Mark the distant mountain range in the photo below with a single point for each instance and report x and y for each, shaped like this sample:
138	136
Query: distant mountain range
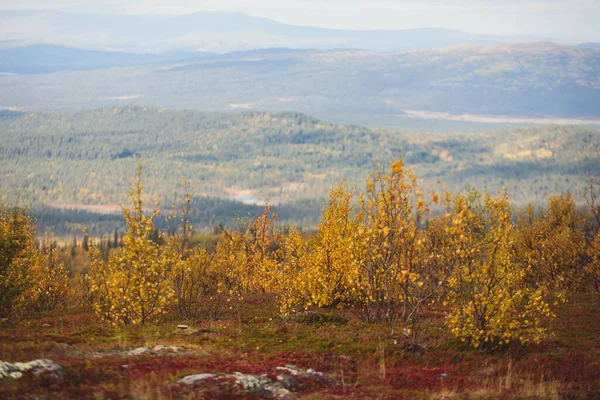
212	32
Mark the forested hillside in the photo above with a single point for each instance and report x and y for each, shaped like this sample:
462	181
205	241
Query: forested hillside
76	160
542	80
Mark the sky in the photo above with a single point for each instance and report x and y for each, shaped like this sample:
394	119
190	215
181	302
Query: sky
559	19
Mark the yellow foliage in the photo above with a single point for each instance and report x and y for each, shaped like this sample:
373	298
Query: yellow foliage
49	281
592	266
320	273
135	284
390	248
294	291
206	286
375	261
17	255
489	301
592	269
261	246
549	245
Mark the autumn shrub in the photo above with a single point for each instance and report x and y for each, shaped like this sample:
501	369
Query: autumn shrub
263	241
489	300
193	275
135	284
550	244
48	281
592	254
293	290
394	274
17	254
243	261
211	281
204	291
373	257
592	268
321	273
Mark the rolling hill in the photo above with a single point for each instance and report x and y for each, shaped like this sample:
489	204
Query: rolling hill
77	160
528	80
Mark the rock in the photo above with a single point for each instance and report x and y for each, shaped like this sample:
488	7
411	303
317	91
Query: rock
256	385
35	367
159	348
250	382
187	331
291	369
139	351
5	369
196	378
260	385
288	382
295	371
288	373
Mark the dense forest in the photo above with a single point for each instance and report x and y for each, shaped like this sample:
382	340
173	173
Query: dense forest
53	161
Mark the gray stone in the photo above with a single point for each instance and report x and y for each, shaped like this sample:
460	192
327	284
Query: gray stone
159	348
295	371
260	385
290	369
288	382
196	378
139	351
251	383
36	367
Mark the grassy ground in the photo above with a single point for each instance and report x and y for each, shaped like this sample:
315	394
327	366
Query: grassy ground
363	361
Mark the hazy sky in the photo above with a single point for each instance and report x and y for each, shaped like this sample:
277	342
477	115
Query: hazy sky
567	19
